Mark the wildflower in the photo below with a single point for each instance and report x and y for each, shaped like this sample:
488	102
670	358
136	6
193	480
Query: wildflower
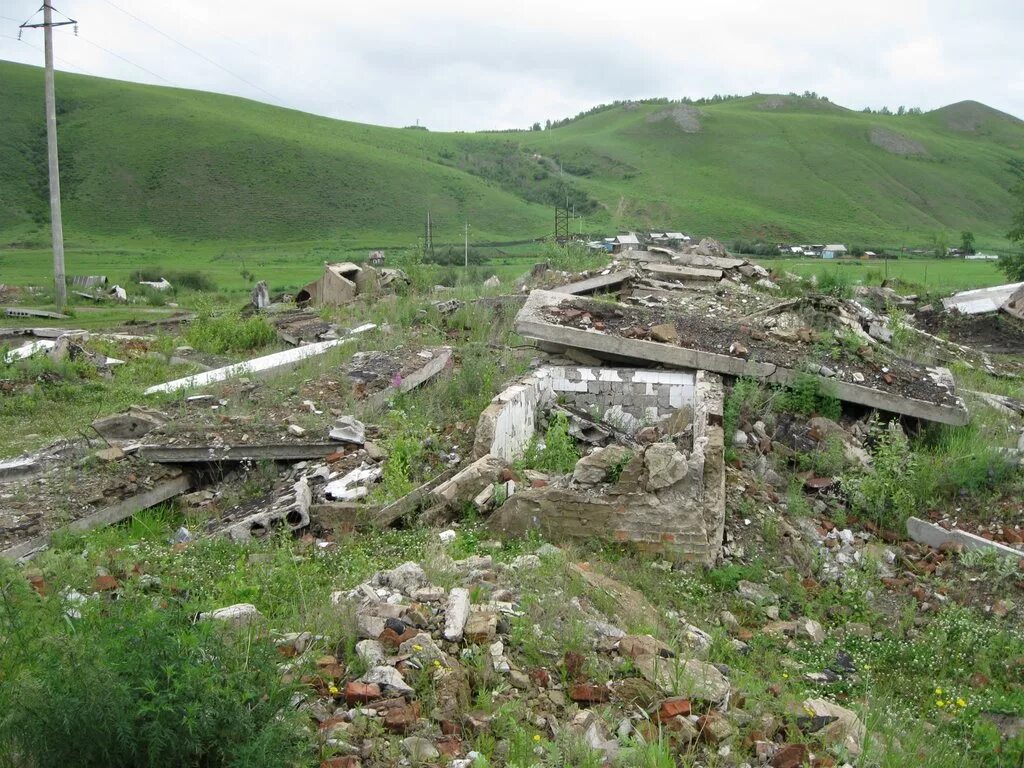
940	703
785	676
938	691
536	737
333	690
960	702
437	663
417	647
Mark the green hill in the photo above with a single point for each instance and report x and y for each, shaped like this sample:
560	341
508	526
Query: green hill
143	162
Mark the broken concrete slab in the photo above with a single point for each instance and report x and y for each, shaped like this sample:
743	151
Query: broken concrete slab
408	503
114	513
24	312
468	482
535	320
289	512
981	300
935	536
598	283
348	429
203	454
278	361
676	273
18	467
130	425
353	485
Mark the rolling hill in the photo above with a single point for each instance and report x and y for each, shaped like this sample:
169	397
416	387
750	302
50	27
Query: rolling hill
148	162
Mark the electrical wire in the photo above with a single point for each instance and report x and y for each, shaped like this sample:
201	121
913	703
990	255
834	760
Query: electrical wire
127	61
193	51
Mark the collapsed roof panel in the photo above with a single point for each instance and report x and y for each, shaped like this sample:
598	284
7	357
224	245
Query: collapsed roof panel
621	332
981	300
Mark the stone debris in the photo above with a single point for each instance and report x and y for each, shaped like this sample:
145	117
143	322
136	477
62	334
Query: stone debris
348	429
240	615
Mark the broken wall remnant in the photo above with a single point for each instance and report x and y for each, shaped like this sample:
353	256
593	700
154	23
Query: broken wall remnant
340	284
626	333
666	496
625	399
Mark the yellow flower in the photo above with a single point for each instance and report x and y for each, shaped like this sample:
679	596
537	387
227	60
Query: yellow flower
938	691
333	690
417	647
940	703
961	703
785	676
437	663
536	737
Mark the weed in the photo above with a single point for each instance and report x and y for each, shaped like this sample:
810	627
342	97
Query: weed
886	494
835	282
807	396
128	683
218	334
558	454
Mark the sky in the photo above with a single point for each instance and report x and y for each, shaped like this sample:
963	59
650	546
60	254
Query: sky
455	65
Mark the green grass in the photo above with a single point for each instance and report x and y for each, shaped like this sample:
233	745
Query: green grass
932	275
150	174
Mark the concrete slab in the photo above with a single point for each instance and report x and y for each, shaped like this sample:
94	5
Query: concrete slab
935	536
981	300
115	513
433	366
23	312
279	361
700	260
203	454
675	273
531	323
598	283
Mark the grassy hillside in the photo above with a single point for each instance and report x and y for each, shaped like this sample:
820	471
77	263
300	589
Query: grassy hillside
144	164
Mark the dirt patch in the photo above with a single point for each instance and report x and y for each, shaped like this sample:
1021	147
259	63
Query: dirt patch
995	333
687	117
896	143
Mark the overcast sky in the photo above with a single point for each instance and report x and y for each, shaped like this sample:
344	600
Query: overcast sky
457	65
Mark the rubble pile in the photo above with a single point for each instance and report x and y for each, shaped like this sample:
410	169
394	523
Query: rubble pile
417	637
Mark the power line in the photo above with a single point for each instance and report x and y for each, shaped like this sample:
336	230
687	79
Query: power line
193	51
127	61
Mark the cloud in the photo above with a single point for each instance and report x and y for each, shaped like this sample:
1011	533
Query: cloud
459	65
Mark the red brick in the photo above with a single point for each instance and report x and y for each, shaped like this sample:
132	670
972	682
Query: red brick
450	747
540	677
401	719
586	693
674	707
791	756
360	693
573	664
105	583
346	761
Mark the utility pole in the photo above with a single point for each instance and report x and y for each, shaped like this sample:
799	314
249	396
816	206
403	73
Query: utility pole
56	226
467	246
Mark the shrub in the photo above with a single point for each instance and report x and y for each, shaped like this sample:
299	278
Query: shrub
129	683
886	495
558	454
806	396
835	282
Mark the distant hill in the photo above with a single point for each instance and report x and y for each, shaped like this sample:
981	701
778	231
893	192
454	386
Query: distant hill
147	162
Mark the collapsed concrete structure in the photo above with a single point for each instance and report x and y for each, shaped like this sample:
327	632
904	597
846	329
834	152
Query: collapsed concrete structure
340	284
772	353
659	486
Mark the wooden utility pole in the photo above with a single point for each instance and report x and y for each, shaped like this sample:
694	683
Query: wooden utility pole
467	246
56	225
